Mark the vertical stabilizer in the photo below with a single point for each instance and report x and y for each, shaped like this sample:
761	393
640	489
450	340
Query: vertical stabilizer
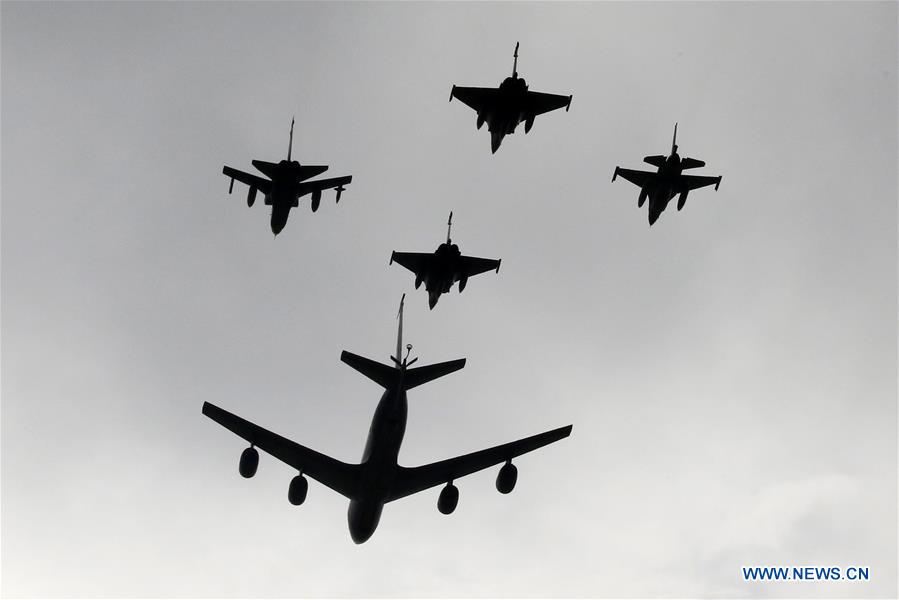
449	227
290	145
515	64
399	333
674	140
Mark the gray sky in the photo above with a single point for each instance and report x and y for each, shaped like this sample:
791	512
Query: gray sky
730	373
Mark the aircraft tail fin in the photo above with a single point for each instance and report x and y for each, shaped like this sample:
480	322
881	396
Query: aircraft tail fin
515	64
290	144
399	333
674	140
449	227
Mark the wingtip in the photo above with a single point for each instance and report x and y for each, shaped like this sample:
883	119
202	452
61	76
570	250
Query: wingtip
452	93
567	106
498	265
719	182
392	255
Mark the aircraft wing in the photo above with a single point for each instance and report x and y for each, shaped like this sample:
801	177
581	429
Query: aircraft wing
475	97
469	265
260	183
339	476
307	187
539	103
412	480
417	262
692	182
640	178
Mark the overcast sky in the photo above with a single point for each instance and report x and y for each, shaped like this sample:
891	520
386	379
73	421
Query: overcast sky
730	372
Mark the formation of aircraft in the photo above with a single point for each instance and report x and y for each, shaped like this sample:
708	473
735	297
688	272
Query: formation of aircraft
444	267
286	184
668	181
503	108
377	479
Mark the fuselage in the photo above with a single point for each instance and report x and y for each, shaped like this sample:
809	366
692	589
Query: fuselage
379	463
443	271
283	196
664	187
508	111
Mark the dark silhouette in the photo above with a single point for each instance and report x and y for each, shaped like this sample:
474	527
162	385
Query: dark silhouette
378	479
440	270
288	183
660	187
503	108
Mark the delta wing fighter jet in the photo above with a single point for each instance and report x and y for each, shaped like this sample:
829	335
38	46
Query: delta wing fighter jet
378	479
503	108
440	270
286	186
669	181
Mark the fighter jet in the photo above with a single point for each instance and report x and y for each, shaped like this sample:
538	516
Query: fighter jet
286	186
440	270
505	107
660	187
377	479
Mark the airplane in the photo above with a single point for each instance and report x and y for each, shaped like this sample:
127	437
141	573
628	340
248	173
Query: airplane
441	269
286	185
503	108
378	479
660	187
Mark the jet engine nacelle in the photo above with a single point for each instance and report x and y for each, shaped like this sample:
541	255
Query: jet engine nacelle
528	124
316	199
506	478
449	498
643	194
682	200
251	196
249	461
462	283
296	493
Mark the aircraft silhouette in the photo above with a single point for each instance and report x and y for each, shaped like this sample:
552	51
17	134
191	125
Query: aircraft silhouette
288	183
660	187
440	270
503	108
378	479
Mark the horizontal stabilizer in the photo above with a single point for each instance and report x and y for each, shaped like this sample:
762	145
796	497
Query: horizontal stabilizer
657	160
268	168
384	375
419	375
307	171
692	163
